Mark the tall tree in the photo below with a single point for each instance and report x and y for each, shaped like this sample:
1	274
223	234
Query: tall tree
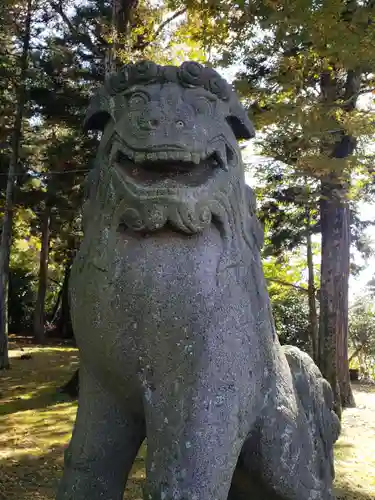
313	315
6	234
289	297
45	229
122	11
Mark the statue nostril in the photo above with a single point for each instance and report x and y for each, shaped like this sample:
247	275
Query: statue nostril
149	123
180	124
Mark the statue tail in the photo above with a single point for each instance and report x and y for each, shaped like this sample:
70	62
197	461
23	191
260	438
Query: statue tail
316	397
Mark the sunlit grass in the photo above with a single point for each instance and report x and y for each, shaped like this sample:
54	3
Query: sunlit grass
35	421
36	424
355	450
35	432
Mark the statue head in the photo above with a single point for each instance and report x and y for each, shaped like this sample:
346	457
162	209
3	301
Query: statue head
170	135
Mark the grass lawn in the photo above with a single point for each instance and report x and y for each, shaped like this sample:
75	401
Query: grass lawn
36	423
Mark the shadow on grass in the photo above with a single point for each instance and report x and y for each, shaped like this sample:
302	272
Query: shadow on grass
359	386
32	477
32	383
343	450
49	397
350	493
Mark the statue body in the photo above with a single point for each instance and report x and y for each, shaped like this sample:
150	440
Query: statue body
171	313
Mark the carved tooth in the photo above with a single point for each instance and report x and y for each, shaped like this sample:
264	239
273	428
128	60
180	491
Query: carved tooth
130	153
196	158
125	153
162	155
221	156
152	156
223	166
113	155
186	156
139	157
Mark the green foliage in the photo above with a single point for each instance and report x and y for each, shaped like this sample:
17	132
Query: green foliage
291	315
288	207
22	286
303	68
288	294
362	335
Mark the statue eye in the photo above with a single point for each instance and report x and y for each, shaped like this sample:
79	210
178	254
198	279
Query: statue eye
203	106
138	99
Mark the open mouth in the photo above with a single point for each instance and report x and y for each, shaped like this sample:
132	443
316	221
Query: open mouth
172	167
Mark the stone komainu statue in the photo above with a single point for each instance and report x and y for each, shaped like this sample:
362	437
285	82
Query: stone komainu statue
171	313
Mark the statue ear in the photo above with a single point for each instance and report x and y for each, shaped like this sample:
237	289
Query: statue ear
239	120
100	111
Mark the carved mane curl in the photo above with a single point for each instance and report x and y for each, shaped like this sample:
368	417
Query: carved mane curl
190	74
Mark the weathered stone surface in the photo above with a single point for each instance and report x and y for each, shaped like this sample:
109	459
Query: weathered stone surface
171	313
314	398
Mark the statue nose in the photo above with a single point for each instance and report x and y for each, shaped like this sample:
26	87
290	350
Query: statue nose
154	123
150	121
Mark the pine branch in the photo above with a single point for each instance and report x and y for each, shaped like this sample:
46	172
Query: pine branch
350	103
81	37
292	285
143	45
285	283
169	20
55	281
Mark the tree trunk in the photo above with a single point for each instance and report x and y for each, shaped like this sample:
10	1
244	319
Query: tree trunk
335	228
356	353
57	306
65	329
121	14
4	278
313	316
333	328
64	324
72	386
6	234
39	314
346	393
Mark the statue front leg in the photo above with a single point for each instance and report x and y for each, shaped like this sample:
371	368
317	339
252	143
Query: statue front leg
194	438
105	441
